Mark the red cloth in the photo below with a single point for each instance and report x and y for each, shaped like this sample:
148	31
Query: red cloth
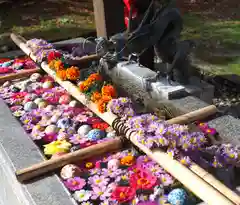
128	4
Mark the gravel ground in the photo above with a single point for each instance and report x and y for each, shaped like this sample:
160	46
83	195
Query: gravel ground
227	96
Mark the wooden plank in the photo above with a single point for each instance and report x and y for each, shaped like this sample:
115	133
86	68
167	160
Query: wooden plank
109	17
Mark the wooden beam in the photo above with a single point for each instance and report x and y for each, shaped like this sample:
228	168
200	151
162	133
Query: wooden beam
109	17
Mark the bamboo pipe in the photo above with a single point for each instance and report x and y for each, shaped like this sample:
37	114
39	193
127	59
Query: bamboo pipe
21	42
210	195
195	115
52	164
22	74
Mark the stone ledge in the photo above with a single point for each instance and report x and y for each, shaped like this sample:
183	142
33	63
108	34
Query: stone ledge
18	151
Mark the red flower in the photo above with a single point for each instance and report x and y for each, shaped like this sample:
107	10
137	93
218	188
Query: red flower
143	180
40	91
54	55
123	194
100	125
19	95
4	70
93	120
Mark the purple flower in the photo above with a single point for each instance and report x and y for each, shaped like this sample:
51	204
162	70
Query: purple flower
75	183
28	127
185	160
80	118
100	192
166	179
111	173
124	177
97	180
77	139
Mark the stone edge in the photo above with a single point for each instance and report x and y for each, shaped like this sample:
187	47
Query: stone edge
19	151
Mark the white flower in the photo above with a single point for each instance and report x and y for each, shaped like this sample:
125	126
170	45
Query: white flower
82	195
86	203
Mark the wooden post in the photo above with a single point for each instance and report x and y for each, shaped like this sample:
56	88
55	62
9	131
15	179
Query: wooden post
109	17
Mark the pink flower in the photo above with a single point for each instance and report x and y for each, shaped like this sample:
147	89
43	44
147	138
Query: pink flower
210	131
98	164
40	91
75	183
100	192
15	108
97	180
202	125
143	180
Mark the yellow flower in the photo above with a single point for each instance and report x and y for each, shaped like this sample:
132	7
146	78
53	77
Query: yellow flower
56	147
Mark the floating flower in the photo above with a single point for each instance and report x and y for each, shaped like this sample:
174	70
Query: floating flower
36	134
19	95
77	139
56	146
100	125
18	113
49	138
82	195
166	179
123	194
100	192
75	183
97	180
127	161
143	180
87	203
73	73
210	131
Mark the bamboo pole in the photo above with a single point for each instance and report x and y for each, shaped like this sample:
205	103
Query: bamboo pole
203	190
21	74
82	154
194	115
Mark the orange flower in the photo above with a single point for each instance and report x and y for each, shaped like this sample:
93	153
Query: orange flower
89	165
96	96
58	65
106	98
128	160
73	73
101	105
95	77
62	74
109	90
51	64
83	87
